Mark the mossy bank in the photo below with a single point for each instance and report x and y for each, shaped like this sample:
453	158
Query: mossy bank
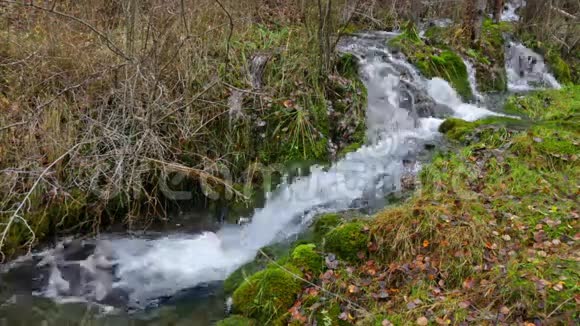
490	237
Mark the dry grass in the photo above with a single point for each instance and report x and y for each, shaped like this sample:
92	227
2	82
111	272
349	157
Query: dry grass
128	90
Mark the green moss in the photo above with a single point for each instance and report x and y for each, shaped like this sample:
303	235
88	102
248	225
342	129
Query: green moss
237	320
325	223
237	278
559	67
307	259
347	240
435	61
548	147
487	55
548	105
329	315
268	294
277	252
456	128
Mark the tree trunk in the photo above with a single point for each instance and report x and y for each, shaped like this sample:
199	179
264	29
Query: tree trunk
416	8
497	10
473	21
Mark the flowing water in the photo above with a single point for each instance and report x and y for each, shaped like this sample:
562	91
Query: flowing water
178	274
510	13
471	73
527	70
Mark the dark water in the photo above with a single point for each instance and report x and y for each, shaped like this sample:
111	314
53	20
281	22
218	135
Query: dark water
202	305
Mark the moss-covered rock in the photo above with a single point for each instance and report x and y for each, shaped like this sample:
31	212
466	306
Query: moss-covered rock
278	252
268	294
459	130
455	128
435	61
307	259
237	278
449	66
237	320
325	223
347	240
487	56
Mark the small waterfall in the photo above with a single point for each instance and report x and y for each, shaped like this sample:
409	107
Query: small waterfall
471	72
510	13
527	70
404	112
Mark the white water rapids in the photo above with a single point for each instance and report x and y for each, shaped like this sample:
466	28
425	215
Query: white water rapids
404	112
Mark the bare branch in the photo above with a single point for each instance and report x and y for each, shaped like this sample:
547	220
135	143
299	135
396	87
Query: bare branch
231	31
110	44
15	214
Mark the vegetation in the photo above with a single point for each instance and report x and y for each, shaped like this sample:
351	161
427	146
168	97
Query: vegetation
487	55
267	294
348	241
236	320
552	30
490	236
433	61
121	102
307	259
107	108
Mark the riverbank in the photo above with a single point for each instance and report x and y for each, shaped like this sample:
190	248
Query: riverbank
491	237
118	114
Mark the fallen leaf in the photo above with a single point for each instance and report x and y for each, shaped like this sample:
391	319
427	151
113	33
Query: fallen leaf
504	310
353	289
468	283
464	304
422	321
558	286
425	244
382	295
442	321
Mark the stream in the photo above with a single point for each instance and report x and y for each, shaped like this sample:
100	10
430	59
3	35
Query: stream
175	277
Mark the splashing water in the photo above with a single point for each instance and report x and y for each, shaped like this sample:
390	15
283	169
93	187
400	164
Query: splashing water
471	73
404	112
510	14
526	70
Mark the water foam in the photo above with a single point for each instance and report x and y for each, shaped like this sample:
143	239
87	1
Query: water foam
510	14
527	70
471	73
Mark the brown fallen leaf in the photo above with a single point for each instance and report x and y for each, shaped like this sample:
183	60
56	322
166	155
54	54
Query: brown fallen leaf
422	321
504	310
353	289
464	304
468	283
558	286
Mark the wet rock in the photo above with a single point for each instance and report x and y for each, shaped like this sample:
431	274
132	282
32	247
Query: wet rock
76	250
